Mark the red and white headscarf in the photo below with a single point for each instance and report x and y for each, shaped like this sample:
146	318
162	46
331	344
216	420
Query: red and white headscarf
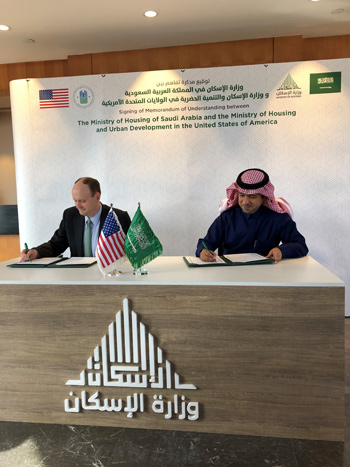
254	181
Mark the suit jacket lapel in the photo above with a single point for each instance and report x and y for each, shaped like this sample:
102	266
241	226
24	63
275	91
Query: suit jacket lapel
79	226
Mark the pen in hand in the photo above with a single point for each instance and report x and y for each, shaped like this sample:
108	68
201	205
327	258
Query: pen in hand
212	254
26	247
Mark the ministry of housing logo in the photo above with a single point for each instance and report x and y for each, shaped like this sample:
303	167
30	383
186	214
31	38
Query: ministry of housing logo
128	357
83	96
289	88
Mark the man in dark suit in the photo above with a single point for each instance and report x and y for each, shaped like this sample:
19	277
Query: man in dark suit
88	215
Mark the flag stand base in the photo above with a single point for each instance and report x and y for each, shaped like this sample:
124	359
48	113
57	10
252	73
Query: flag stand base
140	272
114	273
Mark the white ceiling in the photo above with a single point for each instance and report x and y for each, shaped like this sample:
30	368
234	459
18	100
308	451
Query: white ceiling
71	27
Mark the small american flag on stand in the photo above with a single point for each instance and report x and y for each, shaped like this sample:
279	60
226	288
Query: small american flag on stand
53	98
110	248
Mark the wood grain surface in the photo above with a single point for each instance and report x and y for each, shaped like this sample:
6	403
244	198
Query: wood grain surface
231	53
266	361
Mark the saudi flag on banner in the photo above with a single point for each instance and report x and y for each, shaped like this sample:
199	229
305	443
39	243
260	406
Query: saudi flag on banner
141	245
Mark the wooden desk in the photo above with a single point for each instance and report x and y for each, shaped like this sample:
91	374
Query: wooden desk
263	345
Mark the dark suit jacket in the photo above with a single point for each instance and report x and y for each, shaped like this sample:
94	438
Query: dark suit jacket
70	233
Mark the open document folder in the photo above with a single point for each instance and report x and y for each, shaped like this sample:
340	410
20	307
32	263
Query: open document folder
74	262
239	259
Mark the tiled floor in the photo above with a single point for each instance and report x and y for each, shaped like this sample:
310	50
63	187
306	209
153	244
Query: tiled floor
39	445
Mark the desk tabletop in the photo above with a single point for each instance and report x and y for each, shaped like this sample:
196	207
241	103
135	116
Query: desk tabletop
172	270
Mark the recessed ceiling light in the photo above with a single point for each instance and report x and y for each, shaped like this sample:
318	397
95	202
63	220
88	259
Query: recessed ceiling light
150	14
338	10
4	28
314	0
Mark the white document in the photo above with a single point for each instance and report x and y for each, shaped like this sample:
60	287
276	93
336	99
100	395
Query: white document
77	261
198	261
40	261
244	257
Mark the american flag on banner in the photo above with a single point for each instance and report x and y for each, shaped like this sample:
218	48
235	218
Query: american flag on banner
53	98
110	248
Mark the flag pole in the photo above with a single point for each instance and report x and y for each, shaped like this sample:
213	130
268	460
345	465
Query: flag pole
140	271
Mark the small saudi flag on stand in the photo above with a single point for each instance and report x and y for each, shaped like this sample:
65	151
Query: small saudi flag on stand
141	245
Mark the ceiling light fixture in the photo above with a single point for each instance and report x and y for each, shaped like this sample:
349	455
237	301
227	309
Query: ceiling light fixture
3	27
150	14
338	10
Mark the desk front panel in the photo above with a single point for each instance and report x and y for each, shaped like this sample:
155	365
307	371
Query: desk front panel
266	361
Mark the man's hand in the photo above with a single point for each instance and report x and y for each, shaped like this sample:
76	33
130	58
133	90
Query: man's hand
275	254
28	255
207	256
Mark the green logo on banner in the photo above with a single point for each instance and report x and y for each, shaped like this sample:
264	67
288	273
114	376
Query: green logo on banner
321	83
288	84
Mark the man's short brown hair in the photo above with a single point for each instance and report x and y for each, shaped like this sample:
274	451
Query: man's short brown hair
93	184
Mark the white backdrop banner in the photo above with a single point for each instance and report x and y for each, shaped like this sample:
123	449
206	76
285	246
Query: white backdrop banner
175	140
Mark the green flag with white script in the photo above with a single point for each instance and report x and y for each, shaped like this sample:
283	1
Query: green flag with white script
141	245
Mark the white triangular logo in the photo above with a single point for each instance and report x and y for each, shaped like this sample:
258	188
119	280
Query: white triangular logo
128	357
